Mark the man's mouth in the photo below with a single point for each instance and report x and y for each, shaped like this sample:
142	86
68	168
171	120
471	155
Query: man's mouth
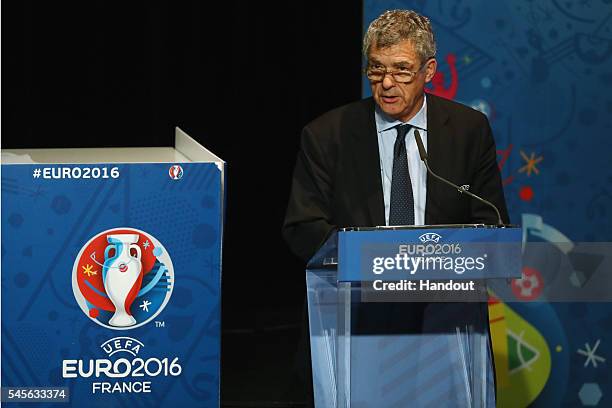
389	99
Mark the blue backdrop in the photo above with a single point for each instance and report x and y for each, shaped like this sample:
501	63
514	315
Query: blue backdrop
541	71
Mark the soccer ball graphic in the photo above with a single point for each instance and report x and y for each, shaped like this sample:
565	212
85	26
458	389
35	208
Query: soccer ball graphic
529	286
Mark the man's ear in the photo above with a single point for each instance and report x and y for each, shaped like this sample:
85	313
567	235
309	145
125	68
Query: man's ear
430	69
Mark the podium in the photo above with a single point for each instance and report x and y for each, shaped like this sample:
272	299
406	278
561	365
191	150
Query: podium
398	315
111	276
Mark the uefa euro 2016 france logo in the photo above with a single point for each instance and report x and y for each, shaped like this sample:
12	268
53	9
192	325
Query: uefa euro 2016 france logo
175	172
122	278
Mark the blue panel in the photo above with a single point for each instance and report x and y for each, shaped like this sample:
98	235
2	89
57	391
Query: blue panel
48	319
487	253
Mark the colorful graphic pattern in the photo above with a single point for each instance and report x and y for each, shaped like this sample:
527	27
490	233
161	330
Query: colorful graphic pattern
540	71
47	222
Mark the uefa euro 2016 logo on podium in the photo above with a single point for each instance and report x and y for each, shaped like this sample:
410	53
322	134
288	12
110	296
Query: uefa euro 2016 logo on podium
122	278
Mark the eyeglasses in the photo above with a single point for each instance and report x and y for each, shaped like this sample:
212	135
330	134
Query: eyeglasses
401	76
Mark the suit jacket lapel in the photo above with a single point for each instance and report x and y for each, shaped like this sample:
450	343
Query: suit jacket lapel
365	148
367	159
436	134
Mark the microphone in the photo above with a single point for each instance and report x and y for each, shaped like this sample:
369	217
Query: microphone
462	190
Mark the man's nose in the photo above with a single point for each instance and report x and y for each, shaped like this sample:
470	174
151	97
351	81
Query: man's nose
388	81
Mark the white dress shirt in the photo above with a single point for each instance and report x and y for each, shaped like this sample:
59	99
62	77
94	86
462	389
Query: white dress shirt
418	173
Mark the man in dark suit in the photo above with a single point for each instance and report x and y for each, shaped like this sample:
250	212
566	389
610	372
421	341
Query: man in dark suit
358	165
339	178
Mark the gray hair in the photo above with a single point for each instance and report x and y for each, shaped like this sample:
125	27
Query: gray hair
394	26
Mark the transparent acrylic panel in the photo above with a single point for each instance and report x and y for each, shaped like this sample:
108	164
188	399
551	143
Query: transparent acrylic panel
322	294
396	354
419	355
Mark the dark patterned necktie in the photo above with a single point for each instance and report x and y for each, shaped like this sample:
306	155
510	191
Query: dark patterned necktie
402	201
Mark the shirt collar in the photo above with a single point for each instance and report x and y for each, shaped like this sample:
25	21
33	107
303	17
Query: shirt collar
384	122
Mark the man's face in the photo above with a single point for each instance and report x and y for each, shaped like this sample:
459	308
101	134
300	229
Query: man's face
399	100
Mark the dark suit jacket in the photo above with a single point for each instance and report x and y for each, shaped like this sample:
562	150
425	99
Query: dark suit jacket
337	182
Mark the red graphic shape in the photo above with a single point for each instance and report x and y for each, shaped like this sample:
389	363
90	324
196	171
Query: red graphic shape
437	82
504	153
493	300
93	313
529	286
526	193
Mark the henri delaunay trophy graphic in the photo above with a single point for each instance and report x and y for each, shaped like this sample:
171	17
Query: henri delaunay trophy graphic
122	278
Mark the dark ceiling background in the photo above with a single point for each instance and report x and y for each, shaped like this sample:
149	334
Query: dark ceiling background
243	79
